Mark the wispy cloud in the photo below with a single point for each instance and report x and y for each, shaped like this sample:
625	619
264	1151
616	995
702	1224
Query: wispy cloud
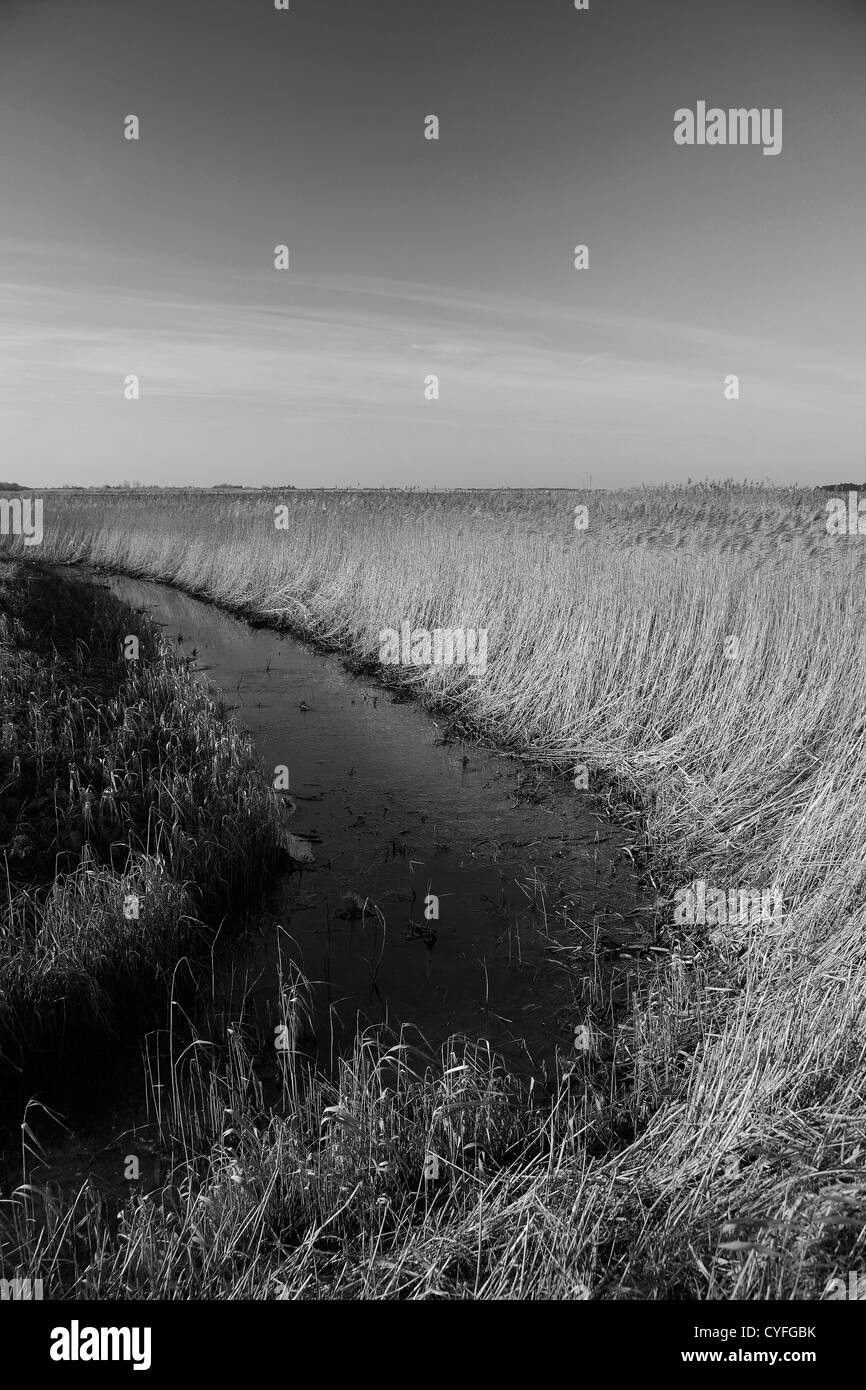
314	351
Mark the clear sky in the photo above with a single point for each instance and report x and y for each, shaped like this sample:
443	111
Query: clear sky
410	257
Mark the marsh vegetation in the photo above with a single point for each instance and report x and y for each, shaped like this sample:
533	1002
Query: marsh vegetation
714	1146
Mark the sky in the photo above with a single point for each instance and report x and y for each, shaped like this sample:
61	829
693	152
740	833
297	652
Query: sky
411	257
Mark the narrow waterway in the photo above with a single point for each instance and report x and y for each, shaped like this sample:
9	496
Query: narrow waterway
394	817
450	889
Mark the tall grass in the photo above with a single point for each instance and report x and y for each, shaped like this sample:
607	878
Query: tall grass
742	1174
120	784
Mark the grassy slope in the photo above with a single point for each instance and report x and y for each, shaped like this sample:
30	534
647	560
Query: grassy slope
117	778
744	1074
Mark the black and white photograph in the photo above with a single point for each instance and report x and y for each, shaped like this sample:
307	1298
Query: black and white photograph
432	673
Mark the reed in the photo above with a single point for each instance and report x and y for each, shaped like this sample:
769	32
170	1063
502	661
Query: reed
730	1163
129	809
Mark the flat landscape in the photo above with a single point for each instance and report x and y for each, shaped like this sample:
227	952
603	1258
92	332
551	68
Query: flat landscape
689	662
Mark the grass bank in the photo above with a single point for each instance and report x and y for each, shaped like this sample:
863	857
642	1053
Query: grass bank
705	650
130	811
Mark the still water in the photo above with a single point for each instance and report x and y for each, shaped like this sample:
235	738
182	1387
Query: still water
401	825
394	816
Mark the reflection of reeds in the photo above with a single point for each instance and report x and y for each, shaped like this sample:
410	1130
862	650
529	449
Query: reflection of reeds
607	648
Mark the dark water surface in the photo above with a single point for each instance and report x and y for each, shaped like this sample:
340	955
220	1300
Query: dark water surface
521	868
393	814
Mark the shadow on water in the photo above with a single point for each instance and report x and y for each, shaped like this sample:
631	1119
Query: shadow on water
402	823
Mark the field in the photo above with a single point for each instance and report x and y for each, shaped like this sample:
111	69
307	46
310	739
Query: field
701	651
